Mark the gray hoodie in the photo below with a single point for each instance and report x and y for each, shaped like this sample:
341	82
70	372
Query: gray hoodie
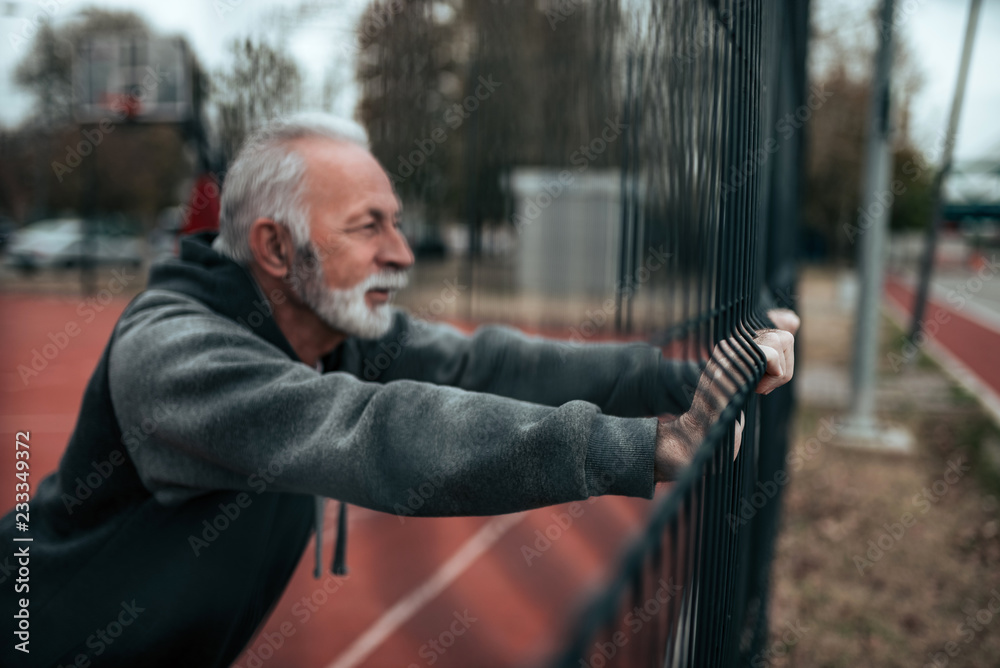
211	437
485	424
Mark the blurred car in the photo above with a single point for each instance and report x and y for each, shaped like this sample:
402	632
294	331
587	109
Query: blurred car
164	240
431	246
7	228
60	242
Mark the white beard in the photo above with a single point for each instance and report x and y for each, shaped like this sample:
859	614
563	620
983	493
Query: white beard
345	310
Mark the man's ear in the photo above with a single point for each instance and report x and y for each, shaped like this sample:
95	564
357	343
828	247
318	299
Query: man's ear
272	248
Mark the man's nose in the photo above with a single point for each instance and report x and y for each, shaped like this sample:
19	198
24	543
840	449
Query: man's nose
396	251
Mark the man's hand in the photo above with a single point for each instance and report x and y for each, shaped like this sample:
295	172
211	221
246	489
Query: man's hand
677	441
778	347
785	319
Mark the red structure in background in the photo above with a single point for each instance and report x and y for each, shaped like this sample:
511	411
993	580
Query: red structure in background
202	211
129	106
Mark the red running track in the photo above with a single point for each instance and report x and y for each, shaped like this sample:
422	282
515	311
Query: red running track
972	342
411	582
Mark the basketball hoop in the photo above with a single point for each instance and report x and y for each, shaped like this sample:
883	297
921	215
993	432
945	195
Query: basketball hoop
126	105
133	79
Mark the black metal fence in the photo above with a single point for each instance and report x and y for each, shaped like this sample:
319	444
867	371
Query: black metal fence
722	128
589	134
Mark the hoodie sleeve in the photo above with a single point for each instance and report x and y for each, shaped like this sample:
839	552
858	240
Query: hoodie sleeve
206	404
623	379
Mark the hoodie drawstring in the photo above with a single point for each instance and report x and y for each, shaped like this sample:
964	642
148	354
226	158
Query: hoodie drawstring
339	566
320	505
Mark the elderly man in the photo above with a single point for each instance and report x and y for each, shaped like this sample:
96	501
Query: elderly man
232	392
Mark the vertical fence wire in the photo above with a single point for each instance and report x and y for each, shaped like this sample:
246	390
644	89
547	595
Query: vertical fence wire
697	169
720	207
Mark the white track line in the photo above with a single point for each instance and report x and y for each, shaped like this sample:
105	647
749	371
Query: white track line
410	604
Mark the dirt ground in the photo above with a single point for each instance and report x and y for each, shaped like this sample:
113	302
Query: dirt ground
885	559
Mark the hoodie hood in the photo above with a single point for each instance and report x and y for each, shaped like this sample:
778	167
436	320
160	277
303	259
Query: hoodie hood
230	290
195	594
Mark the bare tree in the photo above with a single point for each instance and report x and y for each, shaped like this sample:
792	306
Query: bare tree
134	170
456	94
836	134
47	69
260	84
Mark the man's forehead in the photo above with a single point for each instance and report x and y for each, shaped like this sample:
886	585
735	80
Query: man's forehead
324	156
345	171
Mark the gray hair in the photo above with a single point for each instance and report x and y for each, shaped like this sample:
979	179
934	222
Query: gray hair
266	181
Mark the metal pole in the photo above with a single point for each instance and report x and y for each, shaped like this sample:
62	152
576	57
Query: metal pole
872	221
927	262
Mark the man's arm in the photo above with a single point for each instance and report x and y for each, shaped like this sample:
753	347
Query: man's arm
224	404
624	379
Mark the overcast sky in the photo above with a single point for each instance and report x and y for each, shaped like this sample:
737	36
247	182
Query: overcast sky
934	27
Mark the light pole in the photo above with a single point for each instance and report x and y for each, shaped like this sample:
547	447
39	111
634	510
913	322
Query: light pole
873	219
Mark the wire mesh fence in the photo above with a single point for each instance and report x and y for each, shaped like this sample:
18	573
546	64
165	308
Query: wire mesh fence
708	145
622	170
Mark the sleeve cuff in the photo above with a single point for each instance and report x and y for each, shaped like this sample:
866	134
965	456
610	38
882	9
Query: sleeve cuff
620	456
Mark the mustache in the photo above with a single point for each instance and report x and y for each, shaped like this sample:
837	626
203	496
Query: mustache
387	279
307	267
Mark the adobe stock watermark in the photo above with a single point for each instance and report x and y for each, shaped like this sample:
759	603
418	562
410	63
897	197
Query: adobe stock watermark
902	13
563	522
131	438
884	200
389	351
224	7
786	127
588	152
375	19
581	158
929	328
92	137
435	648
975	623
558	11
795	459
594	319
229	513
105	636
960	296
702	34
203	200
887	540
636	619
544	538
454	116
779	648
59	339
261	311
28	28
378	16
417	496
486	429
928	332
268	643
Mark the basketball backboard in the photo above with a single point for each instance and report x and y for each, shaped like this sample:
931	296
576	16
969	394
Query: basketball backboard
136	77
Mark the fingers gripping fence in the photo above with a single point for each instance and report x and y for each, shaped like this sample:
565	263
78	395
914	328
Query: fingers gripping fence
649	149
